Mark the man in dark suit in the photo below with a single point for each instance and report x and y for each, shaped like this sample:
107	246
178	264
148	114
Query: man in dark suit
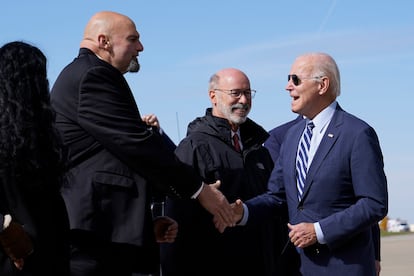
277	135
116	159
286	258
345	188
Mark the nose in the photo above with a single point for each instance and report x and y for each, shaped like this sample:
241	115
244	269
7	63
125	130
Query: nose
289	85
140	46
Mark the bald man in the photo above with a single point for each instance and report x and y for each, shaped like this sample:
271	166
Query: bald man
336	194
242	165
117	161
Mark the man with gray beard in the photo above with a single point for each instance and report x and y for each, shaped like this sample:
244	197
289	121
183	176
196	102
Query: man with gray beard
243	166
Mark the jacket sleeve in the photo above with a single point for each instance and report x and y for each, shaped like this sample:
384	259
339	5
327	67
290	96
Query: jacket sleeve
108	112
369	187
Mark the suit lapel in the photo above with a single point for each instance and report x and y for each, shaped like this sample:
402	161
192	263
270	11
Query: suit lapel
290	144
330	137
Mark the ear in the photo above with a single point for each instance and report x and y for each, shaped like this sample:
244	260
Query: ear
212	96
323	85
103	41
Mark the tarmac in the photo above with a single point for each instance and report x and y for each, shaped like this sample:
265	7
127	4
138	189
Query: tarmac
397	255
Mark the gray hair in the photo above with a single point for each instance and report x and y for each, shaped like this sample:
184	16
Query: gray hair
326	66
213	82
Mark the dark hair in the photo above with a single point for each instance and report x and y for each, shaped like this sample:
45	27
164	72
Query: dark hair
31	152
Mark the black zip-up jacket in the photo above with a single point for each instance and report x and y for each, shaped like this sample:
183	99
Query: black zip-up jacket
239	250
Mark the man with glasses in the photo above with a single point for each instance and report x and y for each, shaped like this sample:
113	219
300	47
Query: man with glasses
345	187
243	166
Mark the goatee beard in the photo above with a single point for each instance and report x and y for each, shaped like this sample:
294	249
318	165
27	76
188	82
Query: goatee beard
133	66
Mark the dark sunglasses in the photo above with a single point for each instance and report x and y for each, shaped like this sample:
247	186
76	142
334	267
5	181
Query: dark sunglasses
296	80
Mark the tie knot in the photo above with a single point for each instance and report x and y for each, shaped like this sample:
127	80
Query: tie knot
310	125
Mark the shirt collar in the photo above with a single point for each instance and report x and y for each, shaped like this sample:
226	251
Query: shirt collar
235	132
322	120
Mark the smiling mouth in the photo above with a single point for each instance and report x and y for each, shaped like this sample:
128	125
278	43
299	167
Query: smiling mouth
240	111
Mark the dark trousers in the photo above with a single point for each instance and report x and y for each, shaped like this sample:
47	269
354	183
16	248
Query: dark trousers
99	261
90	257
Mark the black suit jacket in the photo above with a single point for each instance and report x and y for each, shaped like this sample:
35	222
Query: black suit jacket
115	158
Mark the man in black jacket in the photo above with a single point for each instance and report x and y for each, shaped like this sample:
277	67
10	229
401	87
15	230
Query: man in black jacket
116	159
243	167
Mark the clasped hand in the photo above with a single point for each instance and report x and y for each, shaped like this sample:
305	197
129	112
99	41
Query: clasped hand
165	229
16	243
237	212
301	235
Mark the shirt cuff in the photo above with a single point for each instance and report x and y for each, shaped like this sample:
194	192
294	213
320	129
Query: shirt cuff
319	233
245	217
6	222
194	196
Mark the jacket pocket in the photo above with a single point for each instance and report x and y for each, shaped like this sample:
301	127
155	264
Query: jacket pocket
108	183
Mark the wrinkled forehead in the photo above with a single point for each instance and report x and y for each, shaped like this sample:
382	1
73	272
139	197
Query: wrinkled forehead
124	27
302	66
235	81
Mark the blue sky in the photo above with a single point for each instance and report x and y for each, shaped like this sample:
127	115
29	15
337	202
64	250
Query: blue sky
187	41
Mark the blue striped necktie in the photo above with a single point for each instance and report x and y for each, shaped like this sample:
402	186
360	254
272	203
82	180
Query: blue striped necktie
302	158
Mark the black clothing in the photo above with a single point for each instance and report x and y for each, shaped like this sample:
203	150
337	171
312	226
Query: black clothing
243	250
43	215
116	163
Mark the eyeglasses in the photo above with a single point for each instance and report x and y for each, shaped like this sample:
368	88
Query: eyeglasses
296	80
237	93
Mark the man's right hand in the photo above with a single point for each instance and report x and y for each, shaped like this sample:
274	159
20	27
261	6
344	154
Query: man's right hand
216	203
238	212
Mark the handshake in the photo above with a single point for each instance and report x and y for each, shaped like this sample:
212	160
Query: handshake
236	215
229	215
16	243
225	214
